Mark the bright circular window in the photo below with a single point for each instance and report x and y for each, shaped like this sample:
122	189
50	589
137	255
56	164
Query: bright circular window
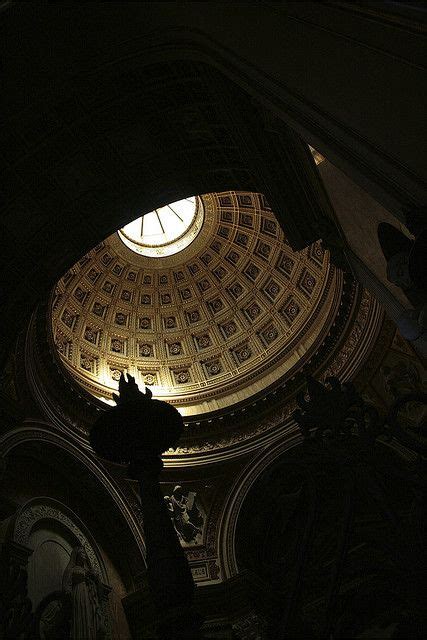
166	230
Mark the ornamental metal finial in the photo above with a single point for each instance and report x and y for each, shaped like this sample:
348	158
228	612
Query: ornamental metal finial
129	391
137	428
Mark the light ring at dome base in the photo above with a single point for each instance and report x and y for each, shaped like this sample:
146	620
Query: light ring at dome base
166	230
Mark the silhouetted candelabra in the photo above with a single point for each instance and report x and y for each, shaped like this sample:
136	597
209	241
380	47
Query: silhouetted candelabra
136	432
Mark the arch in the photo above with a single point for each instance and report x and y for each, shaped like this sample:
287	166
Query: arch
237	494
37	432
42	508
255	468
51	530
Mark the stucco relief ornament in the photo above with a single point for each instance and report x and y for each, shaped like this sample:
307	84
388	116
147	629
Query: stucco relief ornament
185	514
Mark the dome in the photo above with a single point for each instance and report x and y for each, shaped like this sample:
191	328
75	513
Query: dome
227	310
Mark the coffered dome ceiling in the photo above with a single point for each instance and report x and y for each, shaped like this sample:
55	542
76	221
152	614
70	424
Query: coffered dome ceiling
220	310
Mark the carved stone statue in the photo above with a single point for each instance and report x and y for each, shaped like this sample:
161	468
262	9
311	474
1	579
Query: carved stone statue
401	378
73	613
85	590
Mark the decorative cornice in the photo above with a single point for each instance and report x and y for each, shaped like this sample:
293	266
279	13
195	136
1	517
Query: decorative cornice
243	428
